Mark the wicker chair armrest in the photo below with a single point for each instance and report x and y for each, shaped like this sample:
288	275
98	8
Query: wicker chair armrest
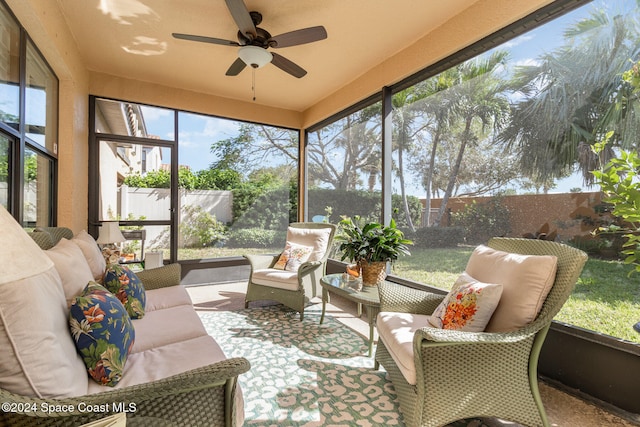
161	277
428	335
403	299
220	374
261	261
307	267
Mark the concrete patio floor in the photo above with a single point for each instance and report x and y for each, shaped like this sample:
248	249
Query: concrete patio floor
563	409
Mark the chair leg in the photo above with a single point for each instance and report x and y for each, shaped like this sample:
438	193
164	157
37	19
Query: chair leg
246	304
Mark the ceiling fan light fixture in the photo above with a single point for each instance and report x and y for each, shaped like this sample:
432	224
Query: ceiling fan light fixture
254	56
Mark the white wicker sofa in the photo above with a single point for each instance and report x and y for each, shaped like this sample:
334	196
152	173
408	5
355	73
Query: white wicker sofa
175	374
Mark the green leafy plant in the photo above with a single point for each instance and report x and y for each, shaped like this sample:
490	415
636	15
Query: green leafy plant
371	242
619	180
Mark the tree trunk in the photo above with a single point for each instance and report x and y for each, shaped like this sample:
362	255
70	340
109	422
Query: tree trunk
454	173
432	163
405	202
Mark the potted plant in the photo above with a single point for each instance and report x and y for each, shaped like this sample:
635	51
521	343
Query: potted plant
371	245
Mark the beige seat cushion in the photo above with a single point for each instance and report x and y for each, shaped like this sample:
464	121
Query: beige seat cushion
171	296
280	279
37	354
526	281
396	330
173	359
72	268
167	326
92	253
164	361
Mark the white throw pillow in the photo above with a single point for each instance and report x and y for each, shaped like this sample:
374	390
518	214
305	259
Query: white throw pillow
72	267
468	306
293	256
526	281
92	254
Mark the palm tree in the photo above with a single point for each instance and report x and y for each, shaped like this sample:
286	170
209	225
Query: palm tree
570	99
479	99
406	108
437	106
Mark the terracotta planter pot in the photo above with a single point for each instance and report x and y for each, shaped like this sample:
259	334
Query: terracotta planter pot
373	272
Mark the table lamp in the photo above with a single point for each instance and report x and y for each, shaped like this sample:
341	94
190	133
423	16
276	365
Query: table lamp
110	234
20	256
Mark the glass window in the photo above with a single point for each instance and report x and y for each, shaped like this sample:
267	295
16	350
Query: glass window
41	99
5	183
344	167
129	119
9	69
238	186
142	240
37	190
40	124
129	193
500	145
237	181
134	175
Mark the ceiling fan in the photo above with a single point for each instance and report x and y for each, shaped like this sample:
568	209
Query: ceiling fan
254	41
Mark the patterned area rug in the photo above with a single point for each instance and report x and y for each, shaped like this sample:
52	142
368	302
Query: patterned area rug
304	373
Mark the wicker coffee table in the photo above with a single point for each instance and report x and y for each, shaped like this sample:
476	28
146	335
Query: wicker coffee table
367	296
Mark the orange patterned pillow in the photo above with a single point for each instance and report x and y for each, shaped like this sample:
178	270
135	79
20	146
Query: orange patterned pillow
468	306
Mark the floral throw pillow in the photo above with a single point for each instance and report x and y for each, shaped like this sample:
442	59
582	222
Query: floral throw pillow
102	332
293	256
468	306
127	287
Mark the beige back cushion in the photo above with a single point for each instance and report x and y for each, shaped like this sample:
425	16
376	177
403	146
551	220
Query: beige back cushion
318	238
37	356
72	268
92	253
526	281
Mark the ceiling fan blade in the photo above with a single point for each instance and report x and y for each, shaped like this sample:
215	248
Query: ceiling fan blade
294	38
235	68
287	66
204	39
242	17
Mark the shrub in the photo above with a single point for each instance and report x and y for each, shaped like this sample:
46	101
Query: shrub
482	221
256	238
200	228
271	209
365	204
438	237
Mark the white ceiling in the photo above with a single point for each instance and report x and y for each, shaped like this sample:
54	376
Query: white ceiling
132	38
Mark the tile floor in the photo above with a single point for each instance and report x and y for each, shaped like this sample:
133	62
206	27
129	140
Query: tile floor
563	410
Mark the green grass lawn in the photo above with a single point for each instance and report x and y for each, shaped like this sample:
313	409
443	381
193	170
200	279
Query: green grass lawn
605	300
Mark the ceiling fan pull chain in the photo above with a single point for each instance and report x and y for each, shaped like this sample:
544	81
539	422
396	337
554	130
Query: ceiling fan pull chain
253	82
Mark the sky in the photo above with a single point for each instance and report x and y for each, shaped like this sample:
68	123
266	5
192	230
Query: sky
197	132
